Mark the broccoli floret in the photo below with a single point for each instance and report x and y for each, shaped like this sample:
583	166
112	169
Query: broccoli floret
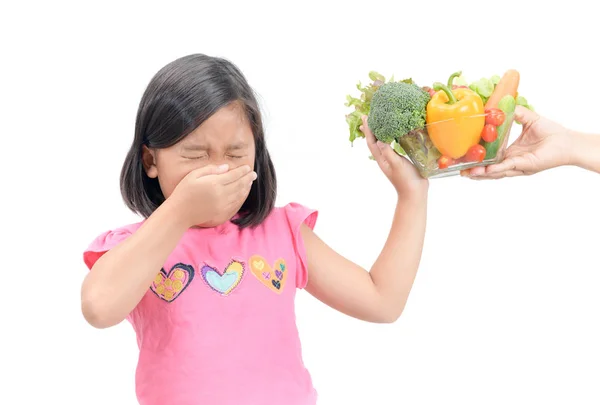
396	109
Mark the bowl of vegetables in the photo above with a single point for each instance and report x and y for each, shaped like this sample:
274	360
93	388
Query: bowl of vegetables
443	128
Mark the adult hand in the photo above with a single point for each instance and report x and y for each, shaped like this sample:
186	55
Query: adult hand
543	144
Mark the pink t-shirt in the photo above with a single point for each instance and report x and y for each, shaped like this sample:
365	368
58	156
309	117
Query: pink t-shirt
217	325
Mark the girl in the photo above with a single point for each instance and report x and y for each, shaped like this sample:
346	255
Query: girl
208	278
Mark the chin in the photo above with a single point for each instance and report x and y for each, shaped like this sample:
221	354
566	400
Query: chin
213	223
217	222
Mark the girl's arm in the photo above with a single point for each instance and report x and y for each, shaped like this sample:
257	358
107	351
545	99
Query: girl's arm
121	277
378	295
381	294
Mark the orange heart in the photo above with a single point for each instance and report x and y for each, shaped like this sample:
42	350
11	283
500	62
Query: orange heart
274	277
170	286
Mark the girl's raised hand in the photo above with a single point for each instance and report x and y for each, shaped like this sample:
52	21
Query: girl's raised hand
400	171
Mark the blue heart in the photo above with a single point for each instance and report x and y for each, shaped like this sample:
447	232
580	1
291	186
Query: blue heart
282	266
221	283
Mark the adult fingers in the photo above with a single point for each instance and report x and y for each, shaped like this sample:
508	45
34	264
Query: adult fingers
512	163
499	175
525	116
473	172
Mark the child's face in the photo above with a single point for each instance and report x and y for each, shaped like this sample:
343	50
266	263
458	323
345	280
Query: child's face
226	137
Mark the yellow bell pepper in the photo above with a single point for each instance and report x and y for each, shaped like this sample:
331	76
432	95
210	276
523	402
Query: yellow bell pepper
455	119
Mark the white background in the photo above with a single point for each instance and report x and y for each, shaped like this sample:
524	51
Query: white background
505	307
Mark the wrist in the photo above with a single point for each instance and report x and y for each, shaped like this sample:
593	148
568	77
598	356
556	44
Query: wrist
175	214
415	195
416	191
583	149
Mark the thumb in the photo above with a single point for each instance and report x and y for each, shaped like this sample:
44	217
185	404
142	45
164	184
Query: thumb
525	116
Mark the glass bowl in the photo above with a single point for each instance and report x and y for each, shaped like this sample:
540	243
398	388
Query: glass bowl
440	149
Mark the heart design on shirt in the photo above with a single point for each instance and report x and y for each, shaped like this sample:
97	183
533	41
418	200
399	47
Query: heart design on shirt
223	283
168	286
272	277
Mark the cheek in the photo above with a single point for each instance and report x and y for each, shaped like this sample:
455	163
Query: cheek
249	161
169	175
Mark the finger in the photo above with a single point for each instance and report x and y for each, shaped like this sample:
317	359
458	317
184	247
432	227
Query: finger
237	192
473	172
381	160
371	140
517	162
234	175
245	191
209	170
241	183
525	116
387	152
499	175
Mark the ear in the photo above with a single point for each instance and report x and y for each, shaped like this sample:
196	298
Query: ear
149	162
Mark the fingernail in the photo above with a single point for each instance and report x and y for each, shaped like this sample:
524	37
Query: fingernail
223	167
361	127
254	176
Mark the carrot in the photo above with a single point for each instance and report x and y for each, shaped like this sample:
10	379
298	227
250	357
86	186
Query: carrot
508	84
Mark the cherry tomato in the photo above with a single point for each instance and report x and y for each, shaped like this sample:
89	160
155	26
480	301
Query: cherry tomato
494	116
475	154
431	92
489	133
444	162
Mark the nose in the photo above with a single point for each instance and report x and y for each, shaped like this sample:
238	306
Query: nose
218	160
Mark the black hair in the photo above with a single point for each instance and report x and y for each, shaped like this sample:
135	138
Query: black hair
178	99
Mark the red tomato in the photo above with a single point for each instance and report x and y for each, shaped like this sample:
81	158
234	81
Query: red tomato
475	154
431	92
489	133
494	116
444	162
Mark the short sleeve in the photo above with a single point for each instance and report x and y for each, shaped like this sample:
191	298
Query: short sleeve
103	243
297	215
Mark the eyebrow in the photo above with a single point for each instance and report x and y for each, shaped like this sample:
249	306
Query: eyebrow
198	147
237	146
195	147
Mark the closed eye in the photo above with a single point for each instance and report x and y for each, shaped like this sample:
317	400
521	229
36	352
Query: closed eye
236	157
195	157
